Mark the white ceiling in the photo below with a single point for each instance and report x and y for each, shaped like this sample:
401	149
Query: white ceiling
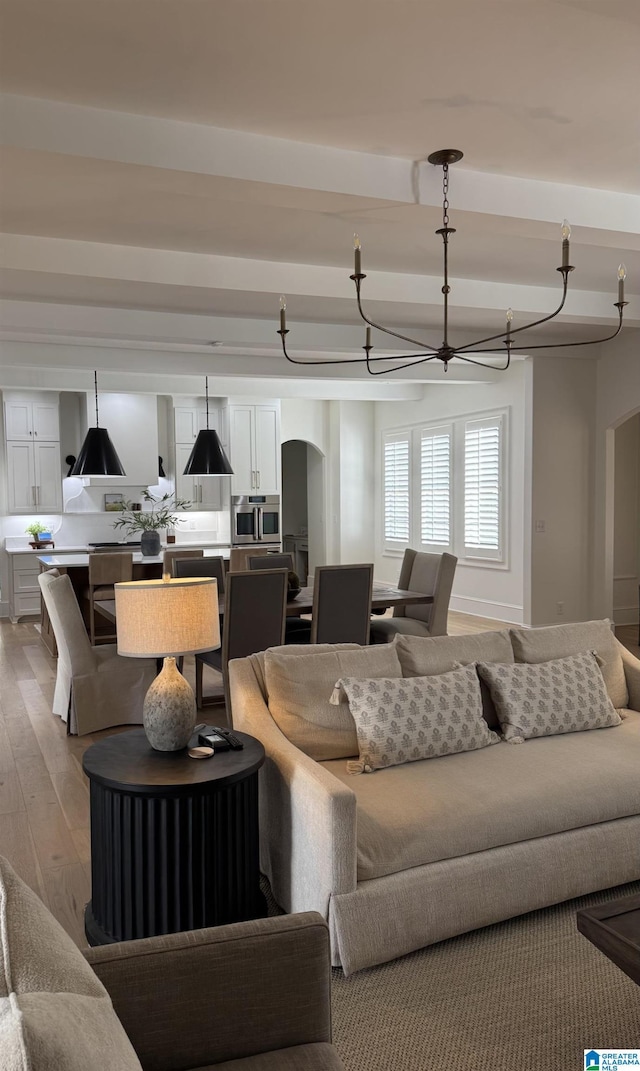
200	159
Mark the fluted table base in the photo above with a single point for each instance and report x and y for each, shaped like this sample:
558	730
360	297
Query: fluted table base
163	862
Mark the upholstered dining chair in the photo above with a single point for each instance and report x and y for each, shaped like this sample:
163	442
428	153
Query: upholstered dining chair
431	574
341	607
238	562
105	570
95	686
255	607
211	566
270	561
170	554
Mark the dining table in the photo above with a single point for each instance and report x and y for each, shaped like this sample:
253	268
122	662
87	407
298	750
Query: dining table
384	596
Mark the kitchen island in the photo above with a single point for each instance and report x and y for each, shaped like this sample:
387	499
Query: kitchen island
76	565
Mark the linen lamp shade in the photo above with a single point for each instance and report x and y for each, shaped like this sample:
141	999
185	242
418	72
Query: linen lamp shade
165	618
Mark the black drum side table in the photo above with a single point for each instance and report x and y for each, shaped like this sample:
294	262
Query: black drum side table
174	840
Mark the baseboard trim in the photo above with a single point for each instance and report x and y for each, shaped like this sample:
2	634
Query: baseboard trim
500	611
625	615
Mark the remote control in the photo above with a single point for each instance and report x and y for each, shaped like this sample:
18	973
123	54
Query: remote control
234	741
211	738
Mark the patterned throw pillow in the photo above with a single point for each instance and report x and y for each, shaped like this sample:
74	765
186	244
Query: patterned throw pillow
565	695
419	718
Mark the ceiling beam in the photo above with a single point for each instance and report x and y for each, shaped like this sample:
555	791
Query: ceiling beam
55	126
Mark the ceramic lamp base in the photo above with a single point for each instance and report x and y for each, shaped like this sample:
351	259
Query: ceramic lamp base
169	712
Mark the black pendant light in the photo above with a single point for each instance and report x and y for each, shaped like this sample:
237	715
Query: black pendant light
97	455
208	457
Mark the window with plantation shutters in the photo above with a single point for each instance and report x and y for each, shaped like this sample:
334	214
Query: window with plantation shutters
444	488
396	492
482	487
435	487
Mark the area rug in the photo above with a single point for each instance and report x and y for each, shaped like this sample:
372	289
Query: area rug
524	995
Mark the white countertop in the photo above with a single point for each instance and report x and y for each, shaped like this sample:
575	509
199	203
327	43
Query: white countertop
65	559
84	549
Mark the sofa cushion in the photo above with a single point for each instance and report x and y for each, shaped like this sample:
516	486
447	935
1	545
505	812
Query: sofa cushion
299	687
54	1011
565	695
404	720
424	656
456	805
558	641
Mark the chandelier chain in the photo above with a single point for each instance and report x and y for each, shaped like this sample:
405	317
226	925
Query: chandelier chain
445	195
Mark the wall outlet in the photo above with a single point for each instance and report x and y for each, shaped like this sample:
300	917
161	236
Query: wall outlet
559	609
540	526
192	526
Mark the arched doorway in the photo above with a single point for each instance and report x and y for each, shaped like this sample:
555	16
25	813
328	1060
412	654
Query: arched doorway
303	505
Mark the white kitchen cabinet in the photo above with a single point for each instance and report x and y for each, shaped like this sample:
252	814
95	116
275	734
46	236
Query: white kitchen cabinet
189	419
34	477
28	417
254	448
24	596
204	492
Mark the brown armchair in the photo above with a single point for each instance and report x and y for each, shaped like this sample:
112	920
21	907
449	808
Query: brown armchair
252	996
256	993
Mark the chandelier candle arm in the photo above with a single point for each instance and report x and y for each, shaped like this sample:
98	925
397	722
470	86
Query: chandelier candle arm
446	352
387	330
516	330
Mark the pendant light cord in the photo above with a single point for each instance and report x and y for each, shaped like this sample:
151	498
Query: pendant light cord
95	383
206	394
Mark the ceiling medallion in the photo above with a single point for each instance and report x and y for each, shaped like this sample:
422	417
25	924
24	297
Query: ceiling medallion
447	352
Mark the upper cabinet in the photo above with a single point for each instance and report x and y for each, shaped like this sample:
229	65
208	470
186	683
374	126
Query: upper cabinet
29	417
190	417
32	432
254	448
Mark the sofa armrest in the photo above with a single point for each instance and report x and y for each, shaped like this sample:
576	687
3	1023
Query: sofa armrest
192	999
632	673
307	816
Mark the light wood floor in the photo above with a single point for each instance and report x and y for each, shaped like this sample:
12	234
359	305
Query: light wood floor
44	797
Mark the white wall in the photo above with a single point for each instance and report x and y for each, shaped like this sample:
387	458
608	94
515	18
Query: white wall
355	499
562	451
626	531
343	432
617	399
485	590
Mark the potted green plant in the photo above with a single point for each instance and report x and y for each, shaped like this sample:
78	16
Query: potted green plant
37	530
150	522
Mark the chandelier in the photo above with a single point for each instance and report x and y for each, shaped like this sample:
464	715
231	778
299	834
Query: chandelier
447	352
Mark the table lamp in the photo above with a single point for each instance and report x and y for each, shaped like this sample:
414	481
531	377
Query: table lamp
162	619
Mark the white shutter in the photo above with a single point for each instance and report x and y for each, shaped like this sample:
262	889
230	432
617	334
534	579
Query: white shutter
396	491
435	487
482	487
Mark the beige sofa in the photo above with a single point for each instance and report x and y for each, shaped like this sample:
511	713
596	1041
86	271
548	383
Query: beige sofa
420	852
253	996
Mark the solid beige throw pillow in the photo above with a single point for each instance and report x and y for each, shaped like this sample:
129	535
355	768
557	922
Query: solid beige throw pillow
54	1010
564	695
423	656
418	718
299	687
559	641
